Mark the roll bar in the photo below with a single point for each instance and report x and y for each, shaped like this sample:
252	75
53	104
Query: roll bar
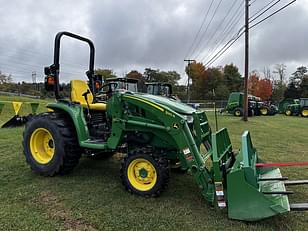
54	69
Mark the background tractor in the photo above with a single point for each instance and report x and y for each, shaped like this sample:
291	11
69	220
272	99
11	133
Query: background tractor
235	105
283	104
152	131
157	88
300	108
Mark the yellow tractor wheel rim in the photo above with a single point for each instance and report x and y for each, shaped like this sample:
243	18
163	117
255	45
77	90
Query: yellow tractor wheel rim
288	112
305	112
237	113
263	111
42	145
142	174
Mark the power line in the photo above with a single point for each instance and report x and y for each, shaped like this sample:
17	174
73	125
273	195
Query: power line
219	26
262	8
224	40
232	41
263	12
275	12
253	2
229	28
207	27
203	21
224	48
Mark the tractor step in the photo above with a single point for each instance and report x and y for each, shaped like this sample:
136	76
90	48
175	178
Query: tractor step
96	141
295	182
299	207
270	179
279	192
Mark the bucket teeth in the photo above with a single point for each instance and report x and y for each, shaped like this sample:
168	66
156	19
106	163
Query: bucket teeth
299	206
279	192
295	182
270	179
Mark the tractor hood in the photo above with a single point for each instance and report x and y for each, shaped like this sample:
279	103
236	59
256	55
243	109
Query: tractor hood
176	106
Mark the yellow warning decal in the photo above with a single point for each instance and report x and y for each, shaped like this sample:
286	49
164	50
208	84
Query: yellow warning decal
16	107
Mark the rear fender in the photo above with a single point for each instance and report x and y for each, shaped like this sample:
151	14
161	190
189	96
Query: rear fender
75	113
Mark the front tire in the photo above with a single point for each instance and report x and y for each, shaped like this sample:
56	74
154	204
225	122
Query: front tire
288	112
264	111
145	172
238	112
304	112
50	144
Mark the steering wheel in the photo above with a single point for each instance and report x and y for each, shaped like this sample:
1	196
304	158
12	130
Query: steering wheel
108	92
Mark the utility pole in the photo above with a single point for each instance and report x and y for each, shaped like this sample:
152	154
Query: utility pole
189	61
34	79
245	117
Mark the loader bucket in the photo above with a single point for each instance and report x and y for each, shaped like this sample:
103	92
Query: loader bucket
254	193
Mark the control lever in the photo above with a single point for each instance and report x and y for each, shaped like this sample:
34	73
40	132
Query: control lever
85	95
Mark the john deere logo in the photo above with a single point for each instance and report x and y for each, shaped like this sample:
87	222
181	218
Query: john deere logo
175	126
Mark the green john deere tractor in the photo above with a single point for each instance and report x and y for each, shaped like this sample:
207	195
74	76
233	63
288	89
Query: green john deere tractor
235	104
300	108
153	131
283	104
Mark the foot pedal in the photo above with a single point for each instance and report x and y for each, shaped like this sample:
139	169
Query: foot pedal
299	207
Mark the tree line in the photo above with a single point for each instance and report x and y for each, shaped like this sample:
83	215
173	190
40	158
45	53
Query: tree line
268	85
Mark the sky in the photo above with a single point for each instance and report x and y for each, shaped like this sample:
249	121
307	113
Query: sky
137	34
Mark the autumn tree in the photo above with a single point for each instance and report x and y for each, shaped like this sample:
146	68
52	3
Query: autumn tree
137	75
134	75
265	89
260	87
105	73
253	83
196	72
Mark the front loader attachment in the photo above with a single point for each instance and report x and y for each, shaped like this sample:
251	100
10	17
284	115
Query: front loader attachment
249	188
254	193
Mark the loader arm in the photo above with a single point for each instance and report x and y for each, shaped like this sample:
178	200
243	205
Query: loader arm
230	181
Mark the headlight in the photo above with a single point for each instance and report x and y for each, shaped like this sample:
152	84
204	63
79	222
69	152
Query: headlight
189	118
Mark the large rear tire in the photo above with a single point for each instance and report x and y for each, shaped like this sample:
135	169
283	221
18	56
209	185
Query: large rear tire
50	144
145	172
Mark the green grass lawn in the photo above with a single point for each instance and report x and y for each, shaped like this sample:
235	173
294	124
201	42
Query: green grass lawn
92	197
